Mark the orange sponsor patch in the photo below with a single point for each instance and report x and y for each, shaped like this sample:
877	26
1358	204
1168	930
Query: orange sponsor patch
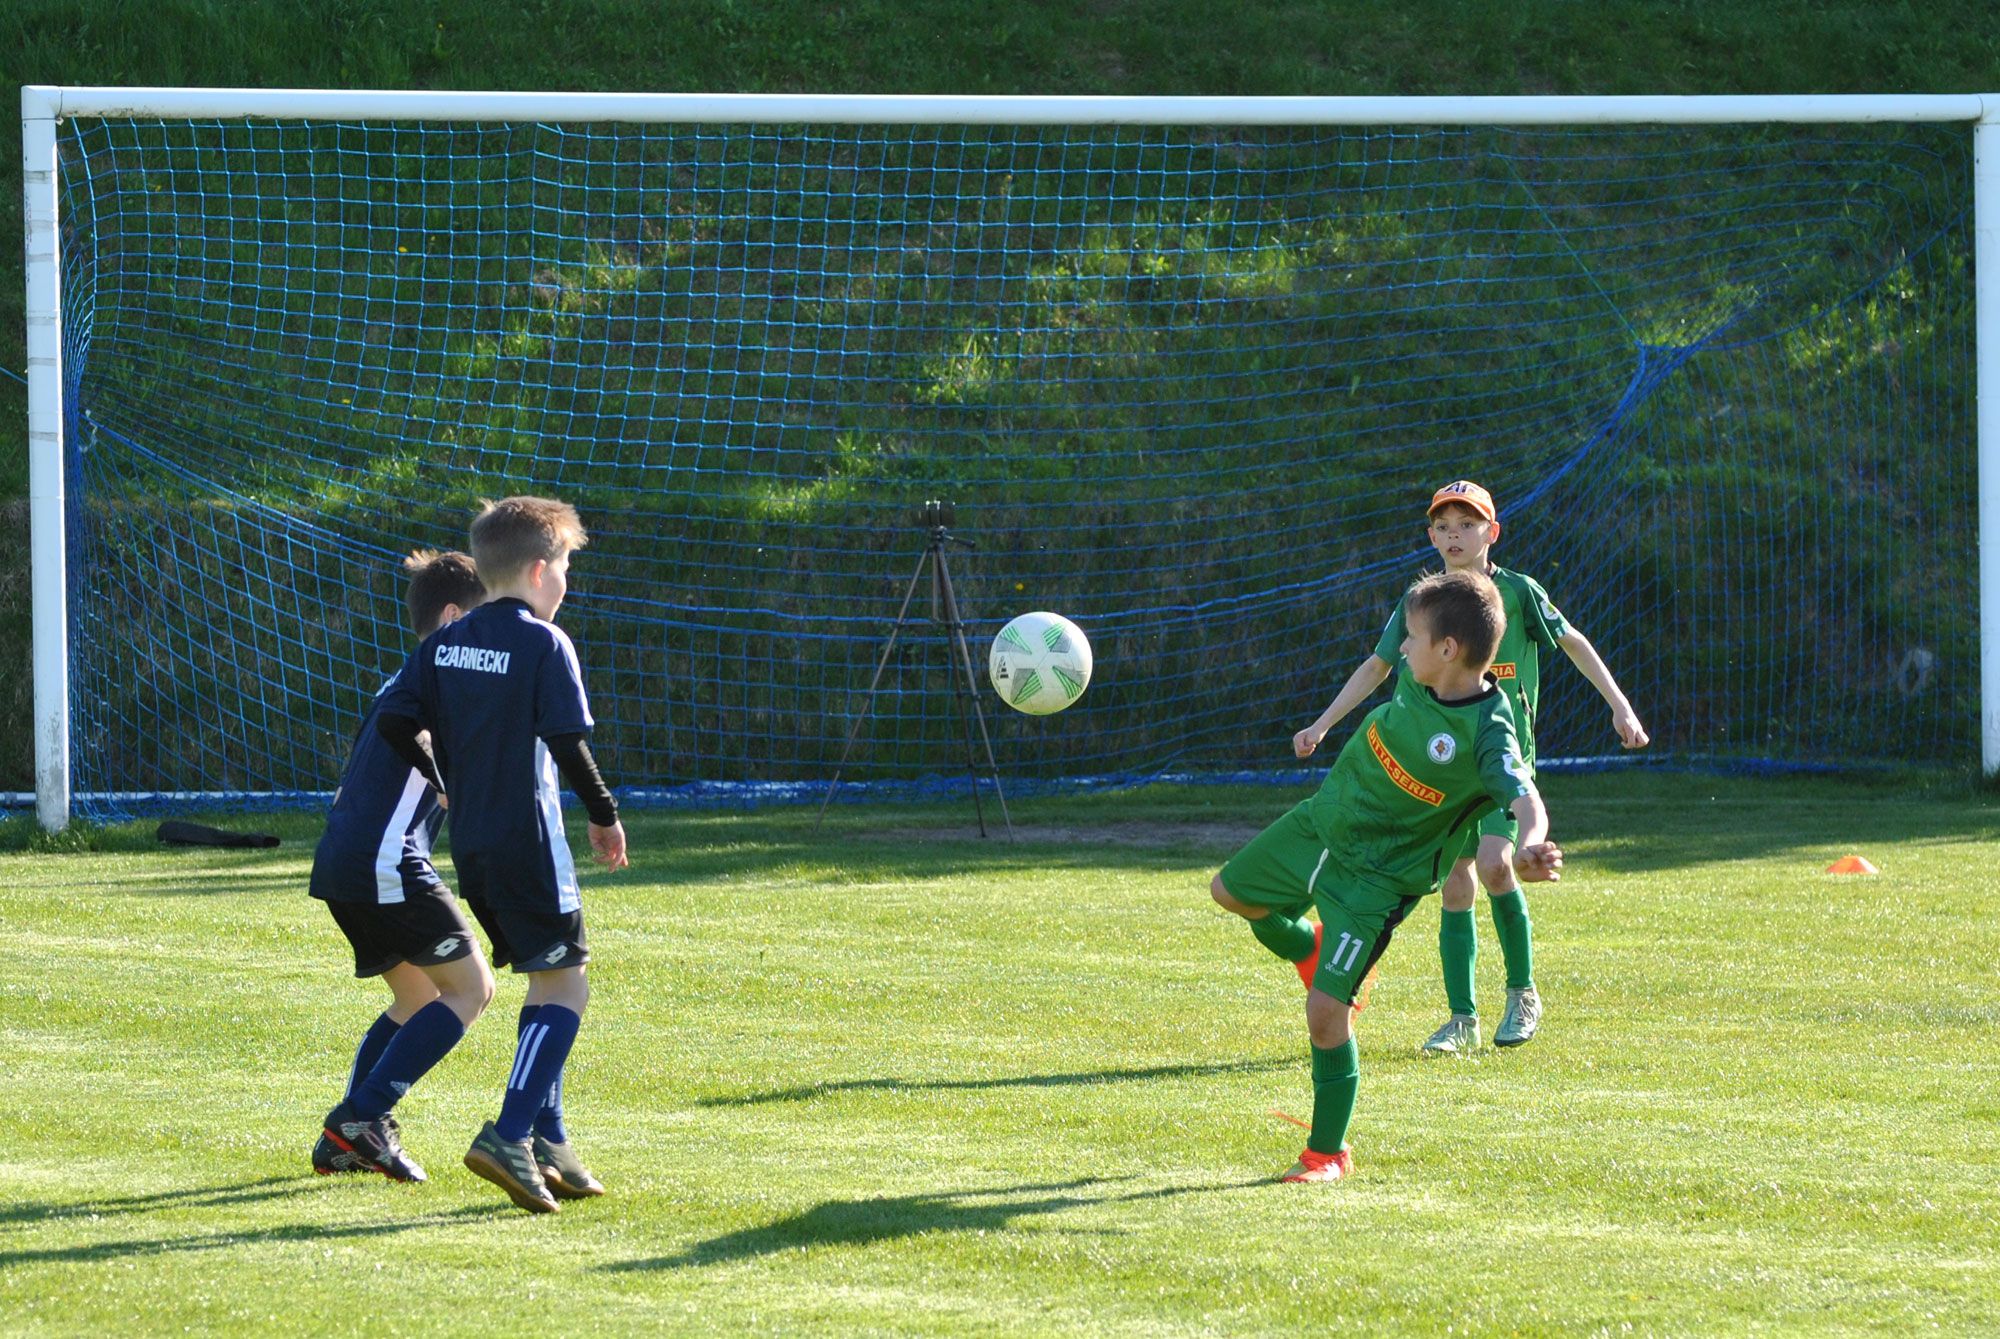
1397	773
1504	670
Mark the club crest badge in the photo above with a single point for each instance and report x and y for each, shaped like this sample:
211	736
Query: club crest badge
1443	748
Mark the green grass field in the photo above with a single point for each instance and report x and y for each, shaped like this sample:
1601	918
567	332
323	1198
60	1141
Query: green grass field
890	1078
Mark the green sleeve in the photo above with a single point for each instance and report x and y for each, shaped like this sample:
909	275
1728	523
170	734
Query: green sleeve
1501	770
1389	647
1545	622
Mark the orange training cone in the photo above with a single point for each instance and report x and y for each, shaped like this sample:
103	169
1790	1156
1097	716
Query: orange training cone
1851	864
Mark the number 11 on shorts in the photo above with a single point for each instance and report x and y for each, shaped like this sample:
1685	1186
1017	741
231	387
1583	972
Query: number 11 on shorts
1345	950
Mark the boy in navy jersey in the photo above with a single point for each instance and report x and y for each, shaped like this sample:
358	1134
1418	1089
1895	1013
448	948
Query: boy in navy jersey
502	695
373	870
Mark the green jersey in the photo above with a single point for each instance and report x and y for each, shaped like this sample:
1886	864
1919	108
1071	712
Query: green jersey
1416	774
1533	622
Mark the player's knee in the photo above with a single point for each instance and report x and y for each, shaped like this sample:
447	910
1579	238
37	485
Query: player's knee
485	987
1329	1022
1459	888
567	987
466	987
1221	895
1496	872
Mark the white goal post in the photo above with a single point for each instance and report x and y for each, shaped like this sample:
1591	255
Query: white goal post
43	108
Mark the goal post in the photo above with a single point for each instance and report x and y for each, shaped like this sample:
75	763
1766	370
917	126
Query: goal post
954	368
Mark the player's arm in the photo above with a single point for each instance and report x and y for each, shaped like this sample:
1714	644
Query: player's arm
1584	656
1509	781
1536	858
1367	677
406	736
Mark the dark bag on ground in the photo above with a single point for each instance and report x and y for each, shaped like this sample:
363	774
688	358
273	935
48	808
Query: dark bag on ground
174	832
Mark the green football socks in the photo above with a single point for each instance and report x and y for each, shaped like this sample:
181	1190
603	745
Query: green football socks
1290	937
1336	1079
1458	949
1517	944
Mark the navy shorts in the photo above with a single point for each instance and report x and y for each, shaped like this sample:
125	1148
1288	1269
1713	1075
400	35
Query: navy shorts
531	941
425	930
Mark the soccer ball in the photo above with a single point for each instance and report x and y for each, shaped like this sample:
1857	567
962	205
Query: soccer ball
1040	663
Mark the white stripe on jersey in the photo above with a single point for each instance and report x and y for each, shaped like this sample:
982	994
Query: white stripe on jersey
389	852
549	799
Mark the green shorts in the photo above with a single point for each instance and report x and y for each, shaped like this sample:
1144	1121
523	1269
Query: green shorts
1287	867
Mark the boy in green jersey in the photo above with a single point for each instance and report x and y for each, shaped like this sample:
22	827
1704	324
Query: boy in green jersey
1421	770
1463	527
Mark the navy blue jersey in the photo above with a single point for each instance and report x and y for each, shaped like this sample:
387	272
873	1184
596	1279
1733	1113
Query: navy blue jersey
379	833
490	688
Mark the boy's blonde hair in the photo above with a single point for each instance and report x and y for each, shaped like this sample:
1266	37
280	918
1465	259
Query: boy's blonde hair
509	534
1464	606
436	580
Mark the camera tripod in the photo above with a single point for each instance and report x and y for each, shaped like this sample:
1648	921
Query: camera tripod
937	517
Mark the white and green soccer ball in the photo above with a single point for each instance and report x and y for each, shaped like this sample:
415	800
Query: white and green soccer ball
1040	663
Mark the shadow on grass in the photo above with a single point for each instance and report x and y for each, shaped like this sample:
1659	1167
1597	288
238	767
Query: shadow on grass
203	1197
864	1222
806	1092
90	1252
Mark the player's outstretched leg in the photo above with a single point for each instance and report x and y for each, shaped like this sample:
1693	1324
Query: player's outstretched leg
1288	934
1523	1015
1336	1067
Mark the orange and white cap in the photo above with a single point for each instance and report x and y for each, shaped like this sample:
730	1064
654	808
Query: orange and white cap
1467	494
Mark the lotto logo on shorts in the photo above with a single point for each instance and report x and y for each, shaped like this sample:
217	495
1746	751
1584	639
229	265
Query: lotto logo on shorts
1430	795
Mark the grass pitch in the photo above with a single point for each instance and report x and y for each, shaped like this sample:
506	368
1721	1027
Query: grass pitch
890	1078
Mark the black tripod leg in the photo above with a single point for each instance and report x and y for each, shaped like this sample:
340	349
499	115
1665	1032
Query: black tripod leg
972	696
867	707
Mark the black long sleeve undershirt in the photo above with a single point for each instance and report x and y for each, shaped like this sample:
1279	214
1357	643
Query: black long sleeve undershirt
571	753
400	734
573	760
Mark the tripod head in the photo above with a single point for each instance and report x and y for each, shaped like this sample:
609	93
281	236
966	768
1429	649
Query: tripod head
937	516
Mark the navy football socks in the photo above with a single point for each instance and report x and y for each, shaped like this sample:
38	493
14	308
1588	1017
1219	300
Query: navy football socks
549	1120
545	1043
419	1044
373	1042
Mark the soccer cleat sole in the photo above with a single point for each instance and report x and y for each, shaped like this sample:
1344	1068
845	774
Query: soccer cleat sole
1512	1042
563	1190
488	1169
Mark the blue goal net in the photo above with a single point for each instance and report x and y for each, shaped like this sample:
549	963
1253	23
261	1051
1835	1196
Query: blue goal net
1190	386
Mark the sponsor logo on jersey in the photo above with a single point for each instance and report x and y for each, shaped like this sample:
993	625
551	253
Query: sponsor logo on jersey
1443	748
473	658
1503	669
1399	774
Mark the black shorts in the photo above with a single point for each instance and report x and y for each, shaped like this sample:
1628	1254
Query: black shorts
424	930
532	941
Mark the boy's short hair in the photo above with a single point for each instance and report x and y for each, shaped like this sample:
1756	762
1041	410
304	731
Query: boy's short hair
1464	606
436	580
509	534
